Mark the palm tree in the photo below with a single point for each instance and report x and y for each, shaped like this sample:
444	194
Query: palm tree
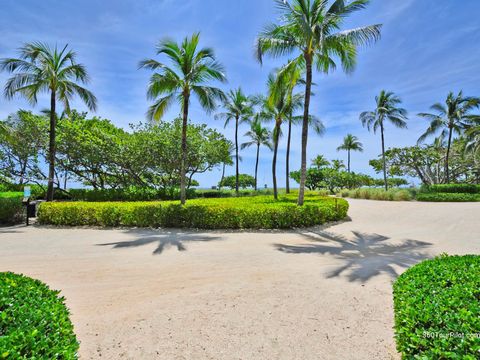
258	136
309	28
387	109
192	69
350	143
453	117
41	68
315	123
277	106
231	155
238	107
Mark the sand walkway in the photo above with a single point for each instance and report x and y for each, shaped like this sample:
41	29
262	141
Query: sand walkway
319	294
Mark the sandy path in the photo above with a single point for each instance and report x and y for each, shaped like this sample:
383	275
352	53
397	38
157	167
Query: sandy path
319	294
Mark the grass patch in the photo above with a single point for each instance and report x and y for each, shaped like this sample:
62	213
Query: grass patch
34	322
437	309
260	212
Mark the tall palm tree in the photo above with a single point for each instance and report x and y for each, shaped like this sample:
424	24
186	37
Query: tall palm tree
41	68
310	28
350	143
238	107
192	68
231	155
279	103
387	109
258	136
451	118
315	123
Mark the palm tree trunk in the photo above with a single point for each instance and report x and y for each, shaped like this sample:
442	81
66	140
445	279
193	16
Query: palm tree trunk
51	147
287	165
237	173
183	193
447	158
348	161
276	135
223	177
308	91
256	166
384	160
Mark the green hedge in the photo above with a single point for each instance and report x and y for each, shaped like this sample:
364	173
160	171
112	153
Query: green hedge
34	322
260	212
437	309
11	208
448	197
451	188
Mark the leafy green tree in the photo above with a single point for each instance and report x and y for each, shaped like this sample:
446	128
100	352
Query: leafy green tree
246	181
238	107
192	68
451	118
22	148
387	109
40	68
258	136
320	162
309	28
350	143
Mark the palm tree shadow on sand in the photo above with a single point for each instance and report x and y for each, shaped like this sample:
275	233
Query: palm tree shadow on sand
365	255
164	240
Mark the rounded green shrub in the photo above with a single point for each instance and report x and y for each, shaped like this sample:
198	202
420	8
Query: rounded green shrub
260	212
11	208
448	197
437	309
34	322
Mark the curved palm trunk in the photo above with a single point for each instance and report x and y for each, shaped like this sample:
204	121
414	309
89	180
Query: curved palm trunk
308	92
348	161
287	165
237	173
183	193
447	158
51	147
274	163
223	177
384	160
256	166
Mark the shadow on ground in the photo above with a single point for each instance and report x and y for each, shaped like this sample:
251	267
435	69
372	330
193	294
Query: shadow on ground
164	239
364	255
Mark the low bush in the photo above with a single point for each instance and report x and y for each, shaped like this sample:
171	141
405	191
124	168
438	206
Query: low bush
378	194
34	322
259	212
451	188
437	309
11	208
448	197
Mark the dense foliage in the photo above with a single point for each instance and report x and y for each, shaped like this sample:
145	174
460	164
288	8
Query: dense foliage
244	181
448	197
101	155
259	212
34	322
437	309
11	208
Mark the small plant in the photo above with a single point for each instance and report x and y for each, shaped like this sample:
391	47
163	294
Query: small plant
34	322
437	309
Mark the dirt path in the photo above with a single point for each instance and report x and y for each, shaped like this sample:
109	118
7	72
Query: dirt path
319	294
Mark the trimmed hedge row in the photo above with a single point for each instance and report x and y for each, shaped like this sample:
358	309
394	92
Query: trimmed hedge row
437	309
448	197
11	208
451	188
232	213
34	322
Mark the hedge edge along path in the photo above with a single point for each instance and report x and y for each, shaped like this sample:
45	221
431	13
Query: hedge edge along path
260	212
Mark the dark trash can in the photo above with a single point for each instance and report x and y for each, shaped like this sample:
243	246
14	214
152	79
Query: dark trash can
32	209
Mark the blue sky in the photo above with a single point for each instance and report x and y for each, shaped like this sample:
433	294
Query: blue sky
428	48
